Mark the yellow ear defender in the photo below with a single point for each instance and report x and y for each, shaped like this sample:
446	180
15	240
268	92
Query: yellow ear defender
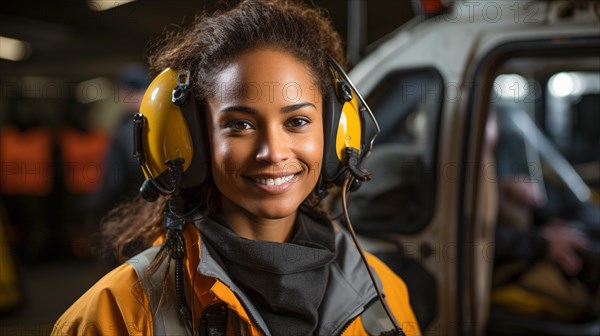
346	121
169	135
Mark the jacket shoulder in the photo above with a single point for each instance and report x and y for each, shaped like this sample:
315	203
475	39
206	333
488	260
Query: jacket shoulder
115	305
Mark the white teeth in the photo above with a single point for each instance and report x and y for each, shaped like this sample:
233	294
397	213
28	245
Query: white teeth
277	181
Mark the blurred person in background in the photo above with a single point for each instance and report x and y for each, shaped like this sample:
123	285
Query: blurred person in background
29	155
122	177
538	263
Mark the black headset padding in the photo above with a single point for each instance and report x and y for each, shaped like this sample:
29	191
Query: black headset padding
194	119
333	171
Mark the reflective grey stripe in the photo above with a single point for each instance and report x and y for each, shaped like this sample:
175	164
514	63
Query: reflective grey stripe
165	315
375	320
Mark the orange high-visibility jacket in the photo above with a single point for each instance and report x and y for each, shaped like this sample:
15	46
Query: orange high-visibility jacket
118	304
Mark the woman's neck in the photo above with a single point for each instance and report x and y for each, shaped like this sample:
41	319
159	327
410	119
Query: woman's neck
249	226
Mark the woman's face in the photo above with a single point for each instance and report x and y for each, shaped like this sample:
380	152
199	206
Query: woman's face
266	134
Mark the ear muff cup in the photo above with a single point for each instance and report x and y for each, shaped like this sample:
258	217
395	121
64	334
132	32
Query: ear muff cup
344	123
334	170
170	131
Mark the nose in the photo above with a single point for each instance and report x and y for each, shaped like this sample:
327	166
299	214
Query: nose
274	146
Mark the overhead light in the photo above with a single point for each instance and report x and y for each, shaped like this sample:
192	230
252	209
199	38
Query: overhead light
102	5
573	84
511	86
13	49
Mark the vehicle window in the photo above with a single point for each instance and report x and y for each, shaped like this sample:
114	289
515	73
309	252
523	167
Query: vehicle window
400	198
547	155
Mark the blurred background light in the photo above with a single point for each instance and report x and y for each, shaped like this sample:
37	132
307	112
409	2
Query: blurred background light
511	86
102	5
13	49
93	90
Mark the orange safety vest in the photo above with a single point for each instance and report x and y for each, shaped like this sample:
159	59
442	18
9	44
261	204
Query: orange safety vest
26	159
83	159
118	304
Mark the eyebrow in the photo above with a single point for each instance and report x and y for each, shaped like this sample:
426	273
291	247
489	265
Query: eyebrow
292	108
249	110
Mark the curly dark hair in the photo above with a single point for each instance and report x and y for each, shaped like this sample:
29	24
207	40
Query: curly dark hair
206	47
212	41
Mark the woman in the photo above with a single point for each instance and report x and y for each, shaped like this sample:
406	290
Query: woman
253	251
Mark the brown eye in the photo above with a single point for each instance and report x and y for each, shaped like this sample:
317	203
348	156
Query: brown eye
240	125
298	122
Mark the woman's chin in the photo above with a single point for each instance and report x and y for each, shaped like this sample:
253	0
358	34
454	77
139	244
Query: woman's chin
274	213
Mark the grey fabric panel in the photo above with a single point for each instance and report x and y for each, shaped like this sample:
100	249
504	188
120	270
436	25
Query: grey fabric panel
165	315
349	289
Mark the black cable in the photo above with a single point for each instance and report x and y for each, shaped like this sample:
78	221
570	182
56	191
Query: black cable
345	189
179	256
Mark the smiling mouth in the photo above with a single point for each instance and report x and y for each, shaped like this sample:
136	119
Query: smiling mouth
274	181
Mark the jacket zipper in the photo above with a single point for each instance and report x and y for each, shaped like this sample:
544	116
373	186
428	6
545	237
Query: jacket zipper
347	325
247	310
